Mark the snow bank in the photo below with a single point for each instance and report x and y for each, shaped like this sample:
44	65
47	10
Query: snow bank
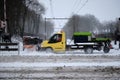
113	52
77	64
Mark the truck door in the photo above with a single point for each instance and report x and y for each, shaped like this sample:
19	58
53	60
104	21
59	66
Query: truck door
56	42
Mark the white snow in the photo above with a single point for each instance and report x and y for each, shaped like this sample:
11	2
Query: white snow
75	64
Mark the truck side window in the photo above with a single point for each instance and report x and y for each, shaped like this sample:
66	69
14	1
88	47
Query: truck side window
55	38
59	38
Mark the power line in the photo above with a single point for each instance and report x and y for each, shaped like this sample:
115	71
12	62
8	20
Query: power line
75	5
78	4
82	6
51	6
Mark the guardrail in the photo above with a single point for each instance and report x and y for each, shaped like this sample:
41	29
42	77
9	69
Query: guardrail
9	47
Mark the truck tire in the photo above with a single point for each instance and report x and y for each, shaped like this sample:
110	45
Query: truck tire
99	48
38	48
106	49
49	50
88	50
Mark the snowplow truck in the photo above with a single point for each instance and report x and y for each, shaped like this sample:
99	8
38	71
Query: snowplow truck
82	40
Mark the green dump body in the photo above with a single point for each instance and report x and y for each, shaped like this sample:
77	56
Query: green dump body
80	37
87	36
82	34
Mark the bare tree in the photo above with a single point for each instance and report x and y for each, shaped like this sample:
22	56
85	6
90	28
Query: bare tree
79	23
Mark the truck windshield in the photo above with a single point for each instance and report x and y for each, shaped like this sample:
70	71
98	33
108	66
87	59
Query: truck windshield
55	38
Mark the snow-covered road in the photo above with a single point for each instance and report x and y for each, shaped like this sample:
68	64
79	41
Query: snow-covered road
61	73
73	57
71	65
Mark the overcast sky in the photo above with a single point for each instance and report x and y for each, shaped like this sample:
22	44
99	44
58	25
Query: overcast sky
104	10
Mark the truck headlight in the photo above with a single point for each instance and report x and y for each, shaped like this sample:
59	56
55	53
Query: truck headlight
41	45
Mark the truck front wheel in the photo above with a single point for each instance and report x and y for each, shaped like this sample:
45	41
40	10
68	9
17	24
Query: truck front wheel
88	50
49	50
106	49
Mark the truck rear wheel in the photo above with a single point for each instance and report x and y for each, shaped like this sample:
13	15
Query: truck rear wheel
88	50
106	49
49	50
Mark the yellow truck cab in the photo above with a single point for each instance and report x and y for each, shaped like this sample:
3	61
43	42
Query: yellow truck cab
56	43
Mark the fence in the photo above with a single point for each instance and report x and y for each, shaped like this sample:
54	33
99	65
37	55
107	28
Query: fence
9	47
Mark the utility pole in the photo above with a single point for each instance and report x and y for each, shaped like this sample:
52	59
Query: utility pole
119	22
45	30
5	16
59	18
74	26
119	32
